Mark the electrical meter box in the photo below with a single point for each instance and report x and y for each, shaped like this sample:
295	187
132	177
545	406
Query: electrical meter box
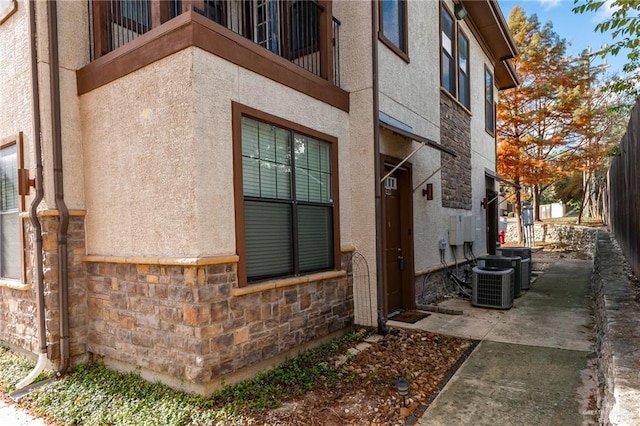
456	230
469	228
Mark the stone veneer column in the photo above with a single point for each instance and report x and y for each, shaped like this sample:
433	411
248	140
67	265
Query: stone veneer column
455	134
77	305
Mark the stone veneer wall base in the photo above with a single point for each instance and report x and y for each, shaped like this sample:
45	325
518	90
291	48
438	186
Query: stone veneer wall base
245	373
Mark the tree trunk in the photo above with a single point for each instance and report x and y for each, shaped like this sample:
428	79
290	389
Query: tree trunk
585	189
518	208
536	203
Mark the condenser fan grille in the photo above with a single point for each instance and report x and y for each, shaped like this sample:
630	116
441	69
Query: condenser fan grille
492	288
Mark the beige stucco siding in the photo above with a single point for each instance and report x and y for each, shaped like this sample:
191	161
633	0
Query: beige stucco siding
217	84
358	202
139	162
410	93
159	154
15	75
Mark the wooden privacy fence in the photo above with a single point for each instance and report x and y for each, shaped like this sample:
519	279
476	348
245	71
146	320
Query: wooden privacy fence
624	192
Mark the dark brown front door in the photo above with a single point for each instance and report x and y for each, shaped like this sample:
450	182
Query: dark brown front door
394	254
492	221
398	242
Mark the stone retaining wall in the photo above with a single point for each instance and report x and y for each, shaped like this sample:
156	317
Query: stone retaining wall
617	314
574	237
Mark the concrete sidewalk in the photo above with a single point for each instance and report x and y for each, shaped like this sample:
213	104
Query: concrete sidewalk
532	365
11	415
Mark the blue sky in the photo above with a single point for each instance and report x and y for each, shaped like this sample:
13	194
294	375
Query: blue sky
578	30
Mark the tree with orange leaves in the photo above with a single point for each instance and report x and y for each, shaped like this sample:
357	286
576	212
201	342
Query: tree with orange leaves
535	121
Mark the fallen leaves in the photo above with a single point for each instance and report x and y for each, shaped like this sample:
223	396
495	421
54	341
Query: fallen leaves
425	359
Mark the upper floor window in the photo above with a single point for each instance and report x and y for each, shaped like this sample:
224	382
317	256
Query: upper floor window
489	104
393	25
448	65
454	57
463	70
287	186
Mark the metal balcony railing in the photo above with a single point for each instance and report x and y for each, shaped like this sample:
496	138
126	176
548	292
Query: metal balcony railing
290	29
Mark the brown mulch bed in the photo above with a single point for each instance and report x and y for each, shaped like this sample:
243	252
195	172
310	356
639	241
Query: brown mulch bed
426	360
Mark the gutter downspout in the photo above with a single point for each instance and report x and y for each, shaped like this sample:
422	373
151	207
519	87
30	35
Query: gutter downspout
382	326
56	121
33	209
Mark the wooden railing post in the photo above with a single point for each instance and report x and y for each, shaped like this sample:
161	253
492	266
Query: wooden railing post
159	12
326	40
100	33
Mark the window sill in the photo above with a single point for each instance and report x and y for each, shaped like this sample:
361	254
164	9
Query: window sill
454	99
163	261
14	284
286	282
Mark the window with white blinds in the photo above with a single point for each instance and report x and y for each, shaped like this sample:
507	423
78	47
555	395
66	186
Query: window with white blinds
288	201
9	220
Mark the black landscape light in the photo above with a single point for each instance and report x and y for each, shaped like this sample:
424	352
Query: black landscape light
403	389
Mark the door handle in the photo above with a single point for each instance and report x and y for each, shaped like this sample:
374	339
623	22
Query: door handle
401	262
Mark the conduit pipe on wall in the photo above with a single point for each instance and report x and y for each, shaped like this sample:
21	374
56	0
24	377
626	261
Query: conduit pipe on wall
33	208
63	281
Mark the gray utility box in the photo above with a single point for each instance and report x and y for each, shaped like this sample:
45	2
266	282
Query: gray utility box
503	262
527	265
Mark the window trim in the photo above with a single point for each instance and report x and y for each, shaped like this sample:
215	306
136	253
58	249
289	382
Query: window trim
402	52
454	54
5	143
457	30
468	70
487	72
10	9
238	111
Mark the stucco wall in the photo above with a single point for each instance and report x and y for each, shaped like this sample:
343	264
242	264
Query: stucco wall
16	91
15	77
357	201
139	167
158	154
412	99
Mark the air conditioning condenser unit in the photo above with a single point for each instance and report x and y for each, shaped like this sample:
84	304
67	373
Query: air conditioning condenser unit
492	288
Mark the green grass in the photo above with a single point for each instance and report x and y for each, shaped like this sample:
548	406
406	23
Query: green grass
95	395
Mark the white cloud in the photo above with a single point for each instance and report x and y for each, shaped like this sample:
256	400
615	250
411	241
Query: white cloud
549	4
605	11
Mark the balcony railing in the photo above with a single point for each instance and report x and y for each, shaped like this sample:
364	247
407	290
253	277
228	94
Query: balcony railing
293	29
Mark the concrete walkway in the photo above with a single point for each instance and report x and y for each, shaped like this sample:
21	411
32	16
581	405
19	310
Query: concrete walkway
11	415
532	365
